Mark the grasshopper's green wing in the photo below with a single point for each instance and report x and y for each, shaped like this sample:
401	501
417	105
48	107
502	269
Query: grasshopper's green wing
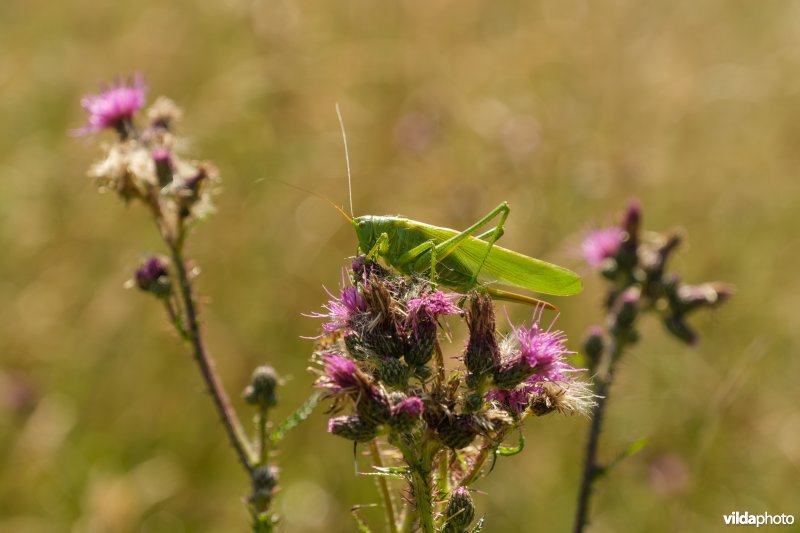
507	267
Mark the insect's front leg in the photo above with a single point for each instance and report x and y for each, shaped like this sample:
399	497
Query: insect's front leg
380	247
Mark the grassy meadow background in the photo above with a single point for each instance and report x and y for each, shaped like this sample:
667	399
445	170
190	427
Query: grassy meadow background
565	108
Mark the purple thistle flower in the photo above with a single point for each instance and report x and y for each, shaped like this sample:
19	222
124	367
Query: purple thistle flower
113	107
432	306
543	350
342	309
537	352
340	374
601	244
410	407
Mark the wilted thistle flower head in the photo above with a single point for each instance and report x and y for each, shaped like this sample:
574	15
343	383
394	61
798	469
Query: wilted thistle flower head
114	107
144	163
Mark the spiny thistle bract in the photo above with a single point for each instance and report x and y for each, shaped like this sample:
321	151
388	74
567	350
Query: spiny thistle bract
380	361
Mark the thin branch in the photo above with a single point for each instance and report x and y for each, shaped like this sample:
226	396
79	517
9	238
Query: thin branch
230	421
590	466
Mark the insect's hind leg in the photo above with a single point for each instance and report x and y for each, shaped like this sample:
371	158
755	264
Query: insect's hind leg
450	245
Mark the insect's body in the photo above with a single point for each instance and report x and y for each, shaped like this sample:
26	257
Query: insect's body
460	260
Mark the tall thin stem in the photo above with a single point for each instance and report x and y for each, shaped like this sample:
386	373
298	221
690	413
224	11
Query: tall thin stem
383	485
591	468
230	421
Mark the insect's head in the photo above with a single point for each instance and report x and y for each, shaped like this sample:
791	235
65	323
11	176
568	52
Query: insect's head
365	231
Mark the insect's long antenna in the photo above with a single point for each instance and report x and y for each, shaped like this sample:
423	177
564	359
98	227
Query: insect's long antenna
346	158
318	195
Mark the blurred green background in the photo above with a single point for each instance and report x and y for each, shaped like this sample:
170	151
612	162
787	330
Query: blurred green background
565	108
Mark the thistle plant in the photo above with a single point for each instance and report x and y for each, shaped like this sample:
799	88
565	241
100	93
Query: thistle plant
143	165
634	264
438	428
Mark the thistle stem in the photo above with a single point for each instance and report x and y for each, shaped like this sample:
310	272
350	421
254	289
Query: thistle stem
421	482
383	485
263	440
591	468
443	477
230	421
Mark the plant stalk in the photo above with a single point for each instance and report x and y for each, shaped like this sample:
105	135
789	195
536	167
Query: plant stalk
591	468
383	485
230	421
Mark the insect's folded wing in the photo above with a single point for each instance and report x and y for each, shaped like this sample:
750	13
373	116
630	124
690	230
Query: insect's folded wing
511	268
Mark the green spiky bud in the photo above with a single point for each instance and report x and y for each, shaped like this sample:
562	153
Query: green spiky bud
352	428
373	406
263	385
422	344
392	372
460	511
457	431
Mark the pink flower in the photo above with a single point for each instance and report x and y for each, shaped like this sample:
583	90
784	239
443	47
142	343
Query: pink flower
113	107
531	356
601	244
543	351
340	374
432	306
341	310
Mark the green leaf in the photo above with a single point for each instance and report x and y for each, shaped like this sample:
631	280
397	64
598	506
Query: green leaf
508	451
303	412
362	525
632	449
394	472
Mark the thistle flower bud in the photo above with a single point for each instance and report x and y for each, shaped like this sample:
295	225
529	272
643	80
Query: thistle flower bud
632	220
509	374
164	171
265	481
421	345
473	402
392	372
263	384
352	428
373	406
457	431
355	347
593	346
691	297
406	414
423	373
382	332
626	308
676	325
460	511
152	276
423	317
482	354
627	256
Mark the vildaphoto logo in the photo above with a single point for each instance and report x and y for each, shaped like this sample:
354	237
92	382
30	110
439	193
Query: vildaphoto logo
746	519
